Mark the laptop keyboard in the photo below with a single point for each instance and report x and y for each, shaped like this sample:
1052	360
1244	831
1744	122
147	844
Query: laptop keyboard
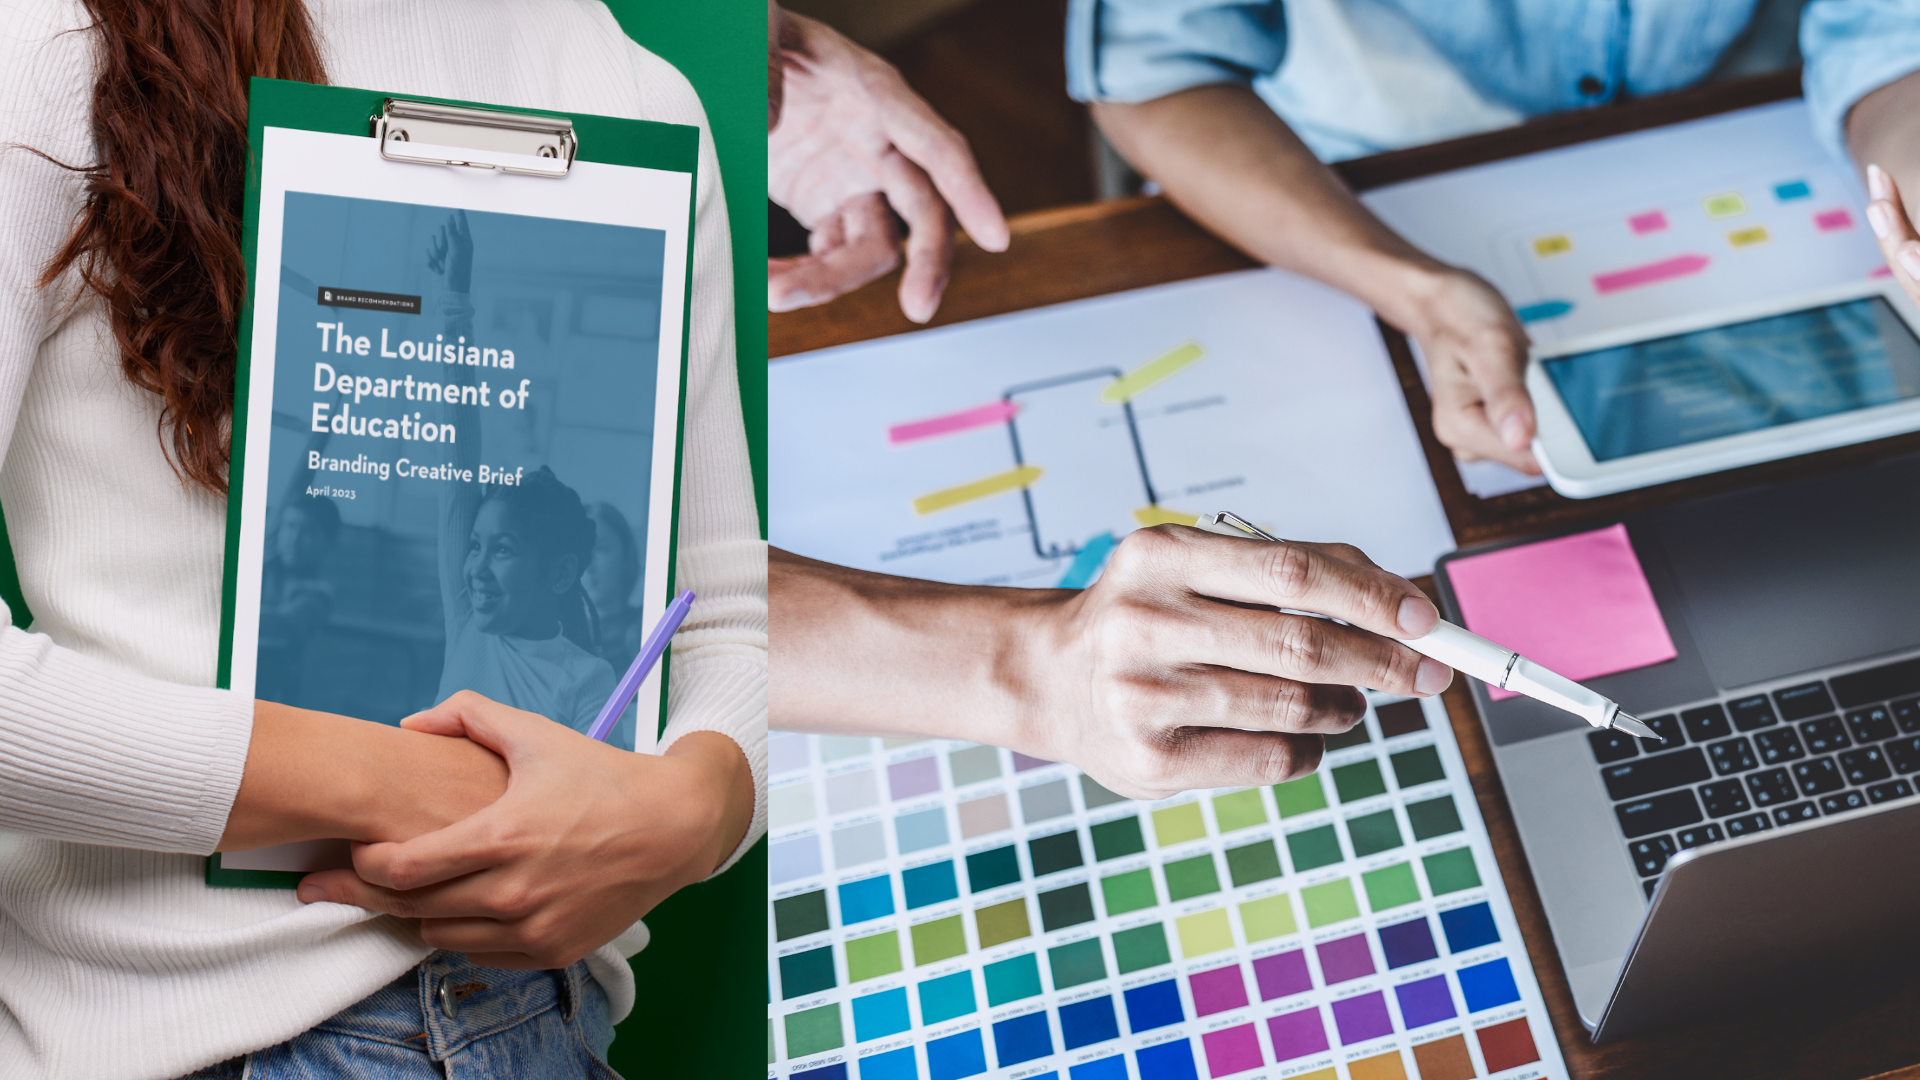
1741	766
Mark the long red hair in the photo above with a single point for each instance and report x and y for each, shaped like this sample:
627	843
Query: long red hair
159	237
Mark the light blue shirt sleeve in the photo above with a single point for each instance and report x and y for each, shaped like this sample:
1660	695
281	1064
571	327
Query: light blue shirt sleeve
1852	48
1138	50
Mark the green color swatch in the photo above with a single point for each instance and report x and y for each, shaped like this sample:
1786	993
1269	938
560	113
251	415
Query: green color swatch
938	940
1130	891
1079	962
1451	871
1356	737
1267	917
1360	780
871	957
806	973
1114	839
1302	796
772	1056
1011	980
992	869
1188	878
813	1031
1052	854
1435	817
1329	903
1314	848
1002	923
1239	810
1420	765
1070	906
1390	886
1178	824
1254	862
798	916
1373	833
1140	948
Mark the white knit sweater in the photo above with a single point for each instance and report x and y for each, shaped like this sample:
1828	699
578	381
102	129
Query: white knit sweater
118	763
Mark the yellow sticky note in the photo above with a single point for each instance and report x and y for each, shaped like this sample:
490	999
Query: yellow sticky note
1153	371
978	489
1557	244
1725	204
1756	234
1203	933
1149	516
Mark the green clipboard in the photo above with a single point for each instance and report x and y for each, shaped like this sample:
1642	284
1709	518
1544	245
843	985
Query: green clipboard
572	317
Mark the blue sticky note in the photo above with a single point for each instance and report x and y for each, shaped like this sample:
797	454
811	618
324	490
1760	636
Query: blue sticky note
869	898
1545	309
1086	1022
1022	1038
1469	927
1796	189
956	1056
1087	562
1111	1068
1168	1061
929	884
1154	1005
1488	985
892	1065
946	997
878	1015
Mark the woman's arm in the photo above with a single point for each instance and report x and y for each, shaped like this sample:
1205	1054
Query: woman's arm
452	256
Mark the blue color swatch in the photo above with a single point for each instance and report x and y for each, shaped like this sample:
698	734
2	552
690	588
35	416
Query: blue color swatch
956	1056
1022	1038
836	1071
892	1065
1112	1068
1152	1006
1168	1061
1086	1022
946	997
1013	979
879	1015
1488	985
929	884
1469	927
869	898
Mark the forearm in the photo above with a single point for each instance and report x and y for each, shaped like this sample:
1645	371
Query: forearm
312	776
1883	129
725	772
853	651
1223	156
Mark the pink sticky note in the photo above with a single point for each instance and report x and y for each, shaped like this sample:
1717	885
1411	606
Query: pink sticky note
1833	220
1651	221
1579	605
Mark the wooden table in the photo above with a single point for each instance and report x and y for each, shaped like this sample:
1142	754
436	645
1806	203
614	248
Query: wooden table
1855	1030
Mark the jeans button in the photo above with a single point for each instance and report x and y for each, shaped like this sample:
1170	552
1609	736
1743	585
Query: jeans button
449	1003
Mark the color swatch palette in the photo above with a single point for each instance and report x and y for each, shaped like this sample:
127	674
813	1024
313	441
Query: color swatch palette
941	910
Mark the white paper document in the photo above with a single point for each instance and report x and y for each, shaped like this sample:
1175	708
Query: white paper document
1019	449
1618	232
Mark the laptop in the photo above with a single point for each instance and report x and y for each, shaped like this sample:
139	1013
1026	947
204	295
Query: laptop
1775	837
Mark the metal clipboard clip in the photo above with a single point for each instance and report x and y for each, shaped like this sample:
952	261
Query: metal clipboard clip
429	134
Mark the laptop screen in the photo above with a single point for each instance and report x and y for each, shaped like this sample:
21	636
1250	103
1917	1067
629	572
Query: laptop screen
1745	376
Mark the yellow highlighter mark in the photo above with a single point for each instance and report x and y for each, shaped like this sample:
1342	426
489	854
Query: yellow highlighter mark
1726	204
1149	516
1557	244
1153	371
1756	234
978	489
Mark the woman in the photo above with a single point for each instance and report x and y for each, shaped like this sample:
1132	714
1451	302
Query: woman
120	769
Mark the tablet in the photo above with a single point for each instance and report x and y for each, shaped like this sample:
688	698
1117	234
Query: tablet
1693	395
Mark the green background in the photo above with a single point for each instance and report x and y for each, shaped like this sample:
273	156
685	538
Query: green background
702	983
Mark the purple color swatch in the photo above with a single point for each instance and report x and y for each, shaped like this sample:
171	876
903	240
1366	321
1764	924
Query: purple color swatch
1297	1034
1218	990
1021	762
1425	1002
1362	1018
1408	942
1236	1049
1283	974
917	777
1347	958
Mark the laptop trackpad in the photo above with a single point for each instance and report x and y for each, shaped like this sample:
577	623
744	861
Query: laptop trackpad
1793	577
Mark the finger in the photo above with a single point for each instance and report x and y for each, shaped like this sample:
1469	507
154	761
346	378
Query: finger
1462	423
870	251
1894	230
1217	757
1289	650
1295	575
929	236
465	847
346	887
942	153
1196	696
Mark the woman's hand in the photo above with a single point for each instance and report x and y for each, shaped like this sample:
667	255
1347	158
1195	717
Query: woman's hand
585	841
1476	353
1893	226
1177	669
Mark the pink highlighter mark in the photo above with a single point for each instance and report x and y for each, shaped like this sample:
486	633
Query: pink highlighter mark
1580	605
1833	220
1635	276
1883	270
1650	222
979	416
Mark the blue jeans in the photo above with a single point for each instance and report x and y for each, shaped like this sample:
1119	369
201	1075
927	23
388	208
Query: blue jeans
505	1024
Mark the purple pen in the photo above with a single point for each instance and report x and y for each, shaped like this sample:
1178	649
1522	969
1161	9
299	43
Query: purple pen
663	632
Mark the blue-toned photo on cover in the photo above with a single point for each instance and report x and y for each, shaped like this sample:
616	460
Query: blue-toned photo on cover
1688	388
462	445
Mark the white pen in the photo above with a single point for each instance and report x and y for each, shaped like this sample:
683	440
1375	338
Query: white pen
1468	652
